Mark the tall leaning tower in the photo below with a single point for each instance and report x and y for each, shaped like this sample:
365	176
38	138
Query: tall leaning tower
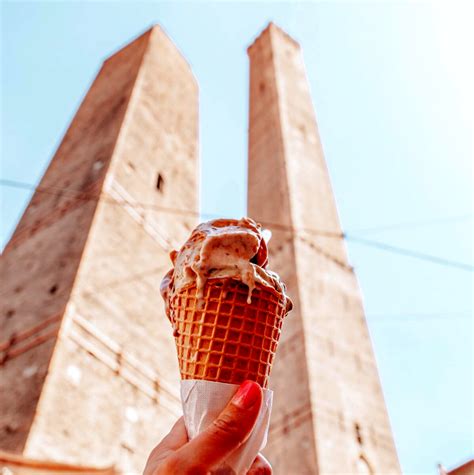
329	415
88	366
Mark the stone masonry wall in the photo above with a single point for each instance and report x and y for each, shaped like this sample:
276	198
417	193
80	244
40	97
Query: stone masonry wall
40	262
325	377
112	386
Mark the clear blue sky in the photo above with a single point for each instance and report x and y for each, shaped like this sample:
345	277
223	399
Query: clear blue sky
392	88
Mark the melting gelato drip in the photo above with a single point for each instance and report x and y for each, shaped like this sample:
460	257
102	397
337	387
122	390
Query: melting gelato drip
222	248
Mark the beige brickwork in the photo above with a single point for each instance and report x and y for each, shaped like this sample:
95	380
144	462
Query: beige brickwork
89	371
88	368
329	415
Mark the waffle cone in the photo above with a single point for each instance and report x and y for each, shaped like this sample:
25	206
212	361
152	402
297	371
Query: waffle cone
220	337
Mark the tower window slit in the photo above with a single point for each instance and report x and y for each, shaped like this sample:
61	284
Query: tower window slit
160	182
358	433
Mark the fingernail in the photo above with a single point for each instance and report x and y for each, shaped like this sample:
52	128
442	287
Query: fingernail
247	395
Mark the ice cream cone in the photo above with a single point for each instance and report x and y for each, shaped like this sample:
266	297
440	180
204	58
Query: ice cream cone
221	337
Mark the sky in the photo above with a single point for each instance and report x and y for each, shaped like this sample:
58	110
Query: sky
392	89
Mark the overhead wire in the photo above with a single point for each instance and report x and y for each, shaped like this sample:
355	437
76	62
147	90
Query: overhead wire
413	224
153	206
348	236
410	253
138	277
54	190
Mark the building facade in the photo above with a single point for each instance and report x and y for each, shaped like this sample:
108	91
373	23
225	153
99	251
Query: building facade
88	359
329	415
88	364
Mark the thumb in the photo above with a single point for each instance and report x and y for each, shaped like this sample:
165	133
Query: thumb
229	431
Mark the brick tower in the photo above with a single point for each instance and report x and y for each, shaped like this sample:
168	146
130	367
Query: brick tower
329	415
88	363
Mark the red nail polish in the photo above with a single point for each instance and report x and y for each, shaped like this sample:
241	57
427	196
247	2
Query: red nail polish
247	395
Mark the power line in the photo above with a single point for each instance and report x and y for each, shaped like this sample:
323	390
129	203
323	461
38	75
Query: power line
151	206
413	224
373	317
57	191
370	243
370	317
139	277
408	252
79	194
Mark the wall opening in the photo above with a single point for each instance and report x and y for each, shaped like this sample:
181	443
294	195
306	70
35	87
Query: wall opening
358	433
160	182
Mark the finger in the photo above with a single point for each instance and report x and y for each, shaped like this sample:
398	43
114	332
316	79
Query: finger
225	434
260	466
177	436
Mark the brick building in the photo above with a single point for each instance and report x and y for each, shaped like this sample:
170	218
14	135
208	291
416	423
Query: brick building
334	418
88	364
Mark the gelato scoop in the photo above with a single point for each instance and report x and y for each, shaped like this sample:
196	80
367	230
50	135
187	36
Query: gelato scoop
222	248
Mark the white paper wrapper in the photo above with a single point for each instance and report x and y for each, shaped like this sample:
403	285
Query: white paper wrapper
203	401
